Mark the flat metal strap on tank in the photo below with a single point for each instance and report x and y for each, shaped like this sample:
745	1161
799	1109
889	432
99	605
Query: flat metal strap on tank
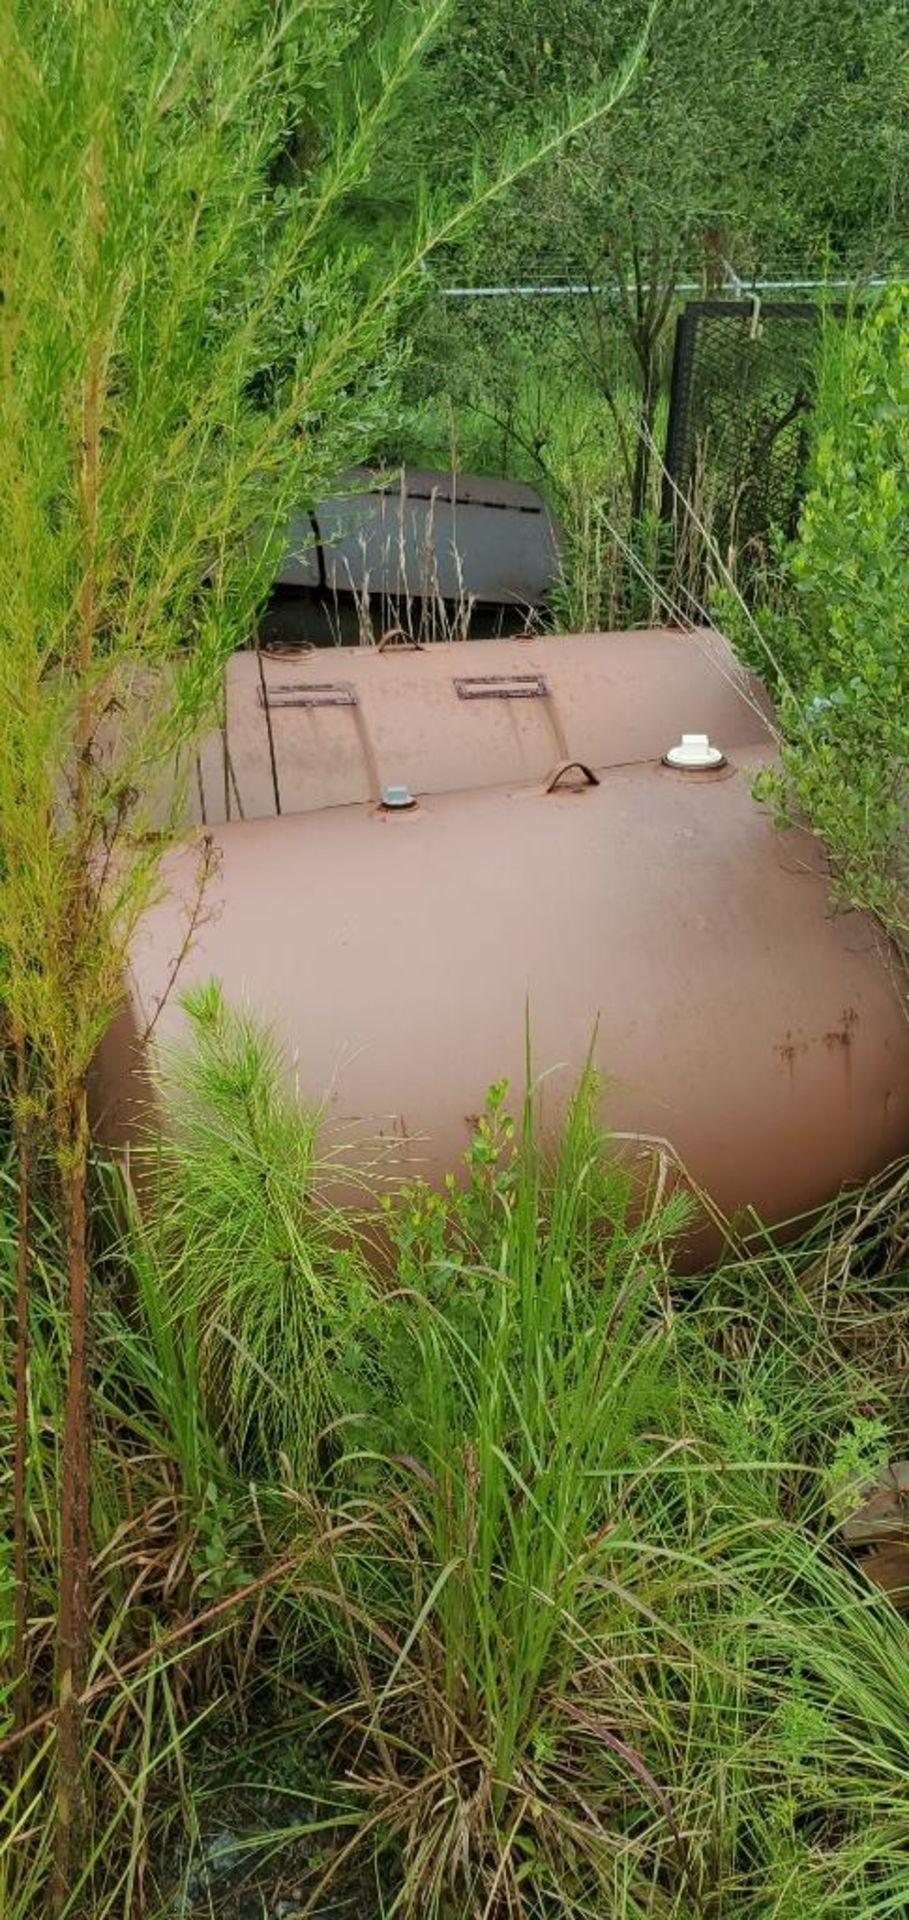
321	693
501	686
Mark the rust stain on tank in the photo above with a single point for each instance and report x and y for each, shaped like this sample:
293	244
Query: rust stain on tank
842	1035
790	1049
840	1041
838	1038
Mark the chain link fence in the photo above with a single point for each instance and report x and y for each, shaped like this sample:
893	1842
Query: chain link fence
739	421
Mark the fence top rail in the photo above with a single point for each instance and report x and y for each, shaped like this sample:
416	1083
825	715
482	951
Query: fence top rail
544	289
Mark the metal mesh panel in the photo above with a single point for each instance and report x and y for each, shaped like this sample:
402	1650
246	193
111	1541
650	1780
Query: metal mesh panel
737	439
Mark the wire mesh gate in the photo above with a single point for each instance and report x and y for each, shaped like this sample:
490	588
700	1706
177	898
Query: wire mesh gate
737	440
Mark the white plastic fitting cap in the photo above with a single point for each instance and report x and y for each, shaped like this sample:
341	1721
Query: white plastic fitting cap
694	753
396	797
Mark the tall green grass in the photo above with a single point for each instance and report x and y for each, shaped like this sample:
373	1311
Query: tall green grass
538	1607
601	1594
531	1364
542	402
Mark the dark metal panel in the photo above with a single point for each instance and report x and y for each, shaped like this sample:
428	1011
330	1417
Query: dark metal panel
301	566
432	535
465	489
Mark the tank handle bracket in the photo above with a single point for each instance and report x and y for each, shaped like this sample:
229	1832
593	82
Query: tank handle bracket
401	642
571	766
501	686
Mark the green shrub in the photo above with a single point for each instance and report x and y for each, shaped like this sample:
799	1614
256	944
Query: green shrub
836	637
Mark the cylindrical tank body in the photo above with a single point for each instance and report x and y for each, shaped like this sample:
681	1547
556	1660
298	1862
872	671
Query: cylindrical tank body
655	913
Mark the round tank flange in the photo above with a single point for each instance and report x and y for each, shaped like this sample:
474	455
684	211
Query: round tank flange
694	753
397	799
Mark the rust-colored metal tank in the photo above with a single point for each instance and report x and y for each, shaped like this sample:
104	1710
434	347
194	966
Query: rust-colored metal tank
335	728
396	948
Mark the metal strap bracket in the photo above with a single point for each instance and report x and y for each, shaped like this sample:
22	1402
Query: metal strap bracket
501	686
319	693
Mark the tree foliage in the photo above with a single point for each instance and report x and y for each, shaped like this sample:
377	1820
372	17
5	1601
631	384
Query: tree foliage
839	645
760	130
760	138
184	351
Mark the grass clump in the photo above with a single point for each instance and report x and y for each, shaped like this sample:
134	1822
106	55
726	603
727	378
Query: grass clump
618	1661
500	1578
528	1368
268	1273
